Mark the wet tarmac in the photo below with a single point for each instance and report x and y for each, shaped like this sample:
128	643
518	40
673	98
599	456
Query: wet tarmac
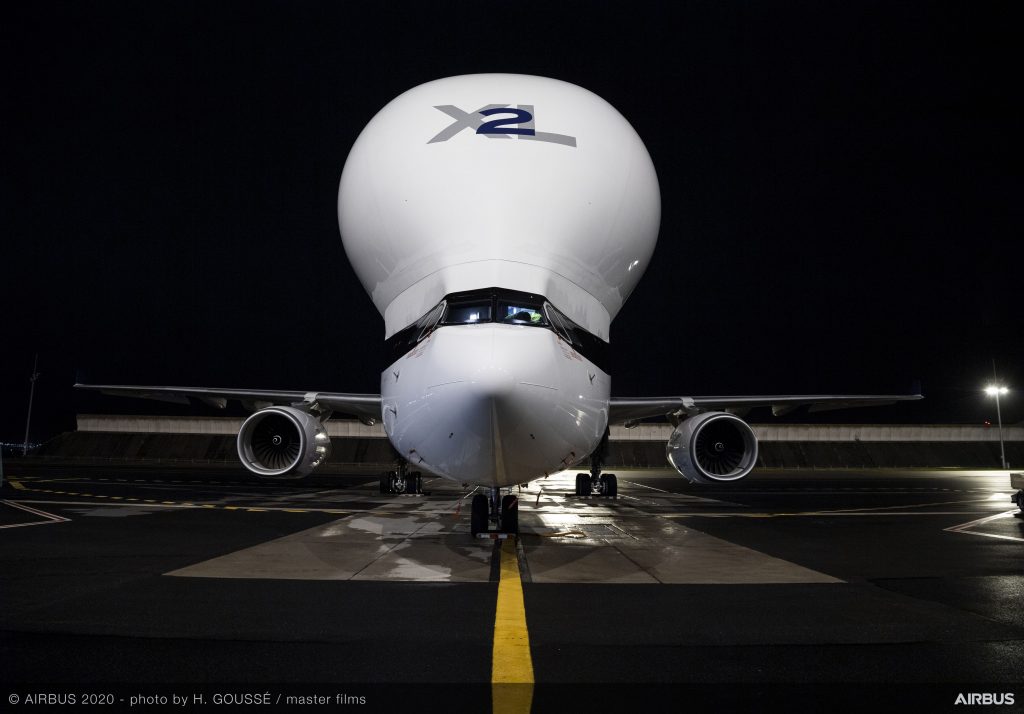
803	588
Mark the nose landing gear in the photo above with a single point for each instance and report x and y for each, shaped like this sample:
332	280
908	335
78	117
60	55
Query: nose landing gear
503	511
402	480
596	483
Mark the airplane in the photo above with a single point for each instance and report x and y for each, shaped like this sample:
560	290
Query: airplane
498	222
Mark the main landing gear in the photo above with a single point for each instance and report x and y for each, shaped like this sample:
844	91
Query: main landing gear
401	480
596	483
502	511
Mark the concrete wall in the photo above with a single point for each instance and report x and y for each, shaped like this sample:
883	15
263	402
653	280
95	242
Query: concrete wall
340	428
206	425
842	454
211	441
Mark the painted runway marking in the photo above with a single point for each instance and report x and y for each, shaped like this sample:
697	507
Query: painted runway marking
643	485
511	663
702	514
965	527
286	507
50	517
892	508
687	496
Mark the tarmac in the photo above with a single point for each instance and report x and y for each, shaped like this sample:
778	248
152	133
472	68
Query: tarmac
809	589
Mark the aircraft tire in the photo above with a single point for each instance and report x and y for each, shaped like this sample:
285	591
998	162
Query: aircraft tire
611	486
478	515
582	484
393	483
385	482
414	483
510	514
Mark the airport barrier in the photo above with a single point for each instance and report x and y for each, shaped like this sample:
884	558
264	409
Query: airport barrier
841	455
642	432
375	453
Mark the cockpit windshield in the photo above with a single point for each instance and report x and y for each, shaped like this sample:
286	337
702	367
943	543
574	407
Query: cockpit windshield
467	313
498	305
518	314
504	306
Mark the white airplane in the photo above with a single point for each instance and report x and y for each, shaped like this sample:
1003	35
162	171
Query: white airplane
498	222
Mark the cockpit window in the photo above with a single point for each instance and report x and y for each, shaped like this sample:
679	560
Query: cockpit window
504	306
462	313
428	322
498	305
518	314
561	324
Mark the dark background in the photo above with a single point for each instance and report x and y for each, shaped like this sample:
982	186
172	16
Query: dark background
841	190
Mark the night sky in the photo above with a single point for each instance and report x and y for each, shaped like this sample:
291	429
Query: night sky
841	188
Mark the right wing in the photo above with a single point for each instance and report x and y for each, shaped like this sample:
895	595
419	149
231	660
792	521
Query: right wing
626	410
365	407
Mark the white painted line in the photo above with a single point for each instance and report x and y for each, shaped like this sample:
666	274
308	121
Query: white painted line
105	504
50	517
198	507
818	514
643	485
992	535
978	522
890	508
964	527
680	494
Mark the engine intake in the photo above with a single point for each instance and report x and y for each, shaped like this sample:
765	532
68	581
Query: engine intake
712	447
283	442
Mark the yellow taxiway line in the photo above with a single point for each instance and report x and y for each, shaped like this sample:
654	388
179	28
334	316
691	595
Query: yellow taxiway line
511	663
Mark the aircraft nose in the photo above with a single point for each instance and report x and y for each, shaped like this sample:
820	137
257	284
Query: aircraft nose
488	405
494	381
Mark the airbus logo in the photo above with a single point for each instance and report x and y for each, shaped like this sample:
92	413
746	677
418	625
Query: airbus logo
985	698
508	122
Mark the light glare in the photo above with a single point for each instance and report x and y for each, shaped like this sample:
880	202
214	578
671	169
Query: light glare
992	390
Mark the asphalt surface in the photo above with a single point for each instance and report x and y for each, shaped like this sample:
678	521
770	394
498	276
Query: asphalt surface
811	590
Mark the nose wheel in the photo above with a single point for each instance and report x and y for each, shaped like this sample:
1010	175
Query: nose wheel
478	522
501	511
596	483
510	514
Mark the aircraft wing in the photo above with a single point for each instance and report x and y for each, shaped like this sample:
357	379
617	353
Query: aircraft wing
365	407
624	410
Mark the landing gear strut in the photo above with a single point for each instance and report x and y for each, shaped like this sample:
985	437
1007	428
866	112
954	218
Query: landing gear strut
402	480
503	511
1017	482
596	483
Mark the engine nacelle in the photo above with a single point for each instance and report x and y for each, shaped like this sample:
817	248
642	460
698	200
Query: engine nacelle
283	442
712	447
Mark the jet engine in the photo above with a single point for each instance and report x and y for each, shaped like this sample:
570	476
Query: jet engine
283	442
712	447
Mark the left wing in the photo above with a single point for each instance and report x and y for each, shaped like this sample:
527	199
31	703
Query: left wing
365	407
627	410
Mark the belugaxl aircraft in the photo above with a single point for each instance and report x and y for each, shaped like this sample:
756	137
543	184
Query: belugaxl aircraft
498	222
